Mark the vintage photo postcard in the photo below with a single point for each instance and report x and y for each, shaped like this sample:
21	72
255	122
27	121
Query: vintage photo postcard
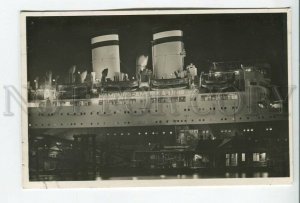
156	98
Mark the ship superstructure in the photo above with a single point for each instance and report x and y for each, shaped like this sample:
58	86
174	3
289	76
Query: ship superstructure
182	113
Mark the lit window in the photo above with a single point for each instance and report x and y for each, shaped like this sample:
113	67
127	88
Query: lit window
227	160
259	157
243	157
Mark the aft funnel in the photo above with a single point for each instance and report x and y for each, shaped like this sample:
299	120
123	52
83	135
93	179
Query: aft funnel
167	54
105	55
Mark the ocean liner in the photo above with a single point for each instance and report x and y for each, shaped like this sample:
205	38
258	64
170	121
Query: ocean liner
168	118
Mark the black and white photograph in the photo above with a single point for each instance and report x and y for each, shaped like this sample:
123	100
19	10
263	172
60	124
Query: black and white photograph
156	97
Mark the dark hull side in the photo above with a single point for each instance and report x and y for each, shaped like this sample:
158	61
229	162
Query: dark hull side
209	150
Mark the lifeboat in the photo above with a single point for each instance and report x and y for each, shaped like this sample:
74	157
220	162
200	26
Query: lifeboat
120	85
178	83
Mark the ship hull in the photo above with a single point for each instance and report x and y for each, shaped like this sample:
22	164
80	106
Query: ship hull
147	151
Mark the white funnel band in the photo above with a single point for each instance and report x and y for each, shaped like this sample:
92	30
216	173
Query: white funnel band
104	38
168	36
171	33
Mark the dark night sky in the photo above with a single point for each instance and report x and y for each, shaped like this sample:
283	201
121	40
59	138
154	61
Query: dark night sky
56	43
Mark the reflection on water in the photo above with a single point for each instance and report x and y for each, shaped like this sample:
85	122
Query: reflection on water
162	174
194	176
